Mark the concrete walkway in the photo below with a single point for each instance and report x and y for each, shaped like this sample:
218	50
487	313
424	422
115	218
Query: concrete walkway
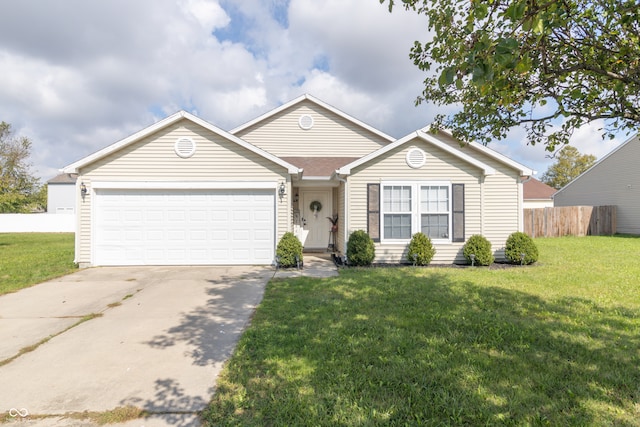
315	265
151	337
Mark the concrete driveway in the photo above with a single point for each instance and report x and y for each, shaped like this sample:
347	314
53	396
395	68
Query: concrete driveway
158	342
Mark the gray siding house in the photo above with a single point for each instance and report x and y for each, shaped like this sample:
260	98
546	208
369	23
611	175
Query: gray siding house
614	180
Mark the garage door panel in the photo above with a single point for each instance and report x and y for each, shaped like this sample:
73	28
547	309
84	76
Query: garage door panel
199	215
154	235
173	227
154	215
262	216
174	215
198	236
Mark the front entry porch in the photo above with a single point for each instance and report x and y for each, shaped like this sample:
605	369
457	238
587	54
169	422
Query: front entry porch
313	209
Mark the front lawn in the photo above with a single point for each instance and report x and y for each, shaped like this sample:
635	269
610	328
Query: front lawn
30	258
556	343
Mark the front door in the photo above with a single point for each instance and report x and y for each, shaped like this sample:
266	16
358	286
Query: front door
316	207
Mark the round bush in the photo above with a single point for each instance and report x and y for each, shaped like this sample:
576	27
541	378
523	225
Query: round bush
360	249
520	243
288	248
421	251
481	247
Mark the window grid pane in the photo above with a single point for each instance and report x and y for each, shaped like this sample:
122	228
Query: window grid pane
434	199
397	198
397	226
435	226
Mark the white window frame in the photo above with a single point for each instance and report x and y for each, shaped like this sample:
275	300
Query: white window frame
416	213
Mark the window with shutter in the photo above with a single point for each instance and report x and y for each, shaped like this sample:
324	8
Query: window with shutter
435	208
457	207
373	211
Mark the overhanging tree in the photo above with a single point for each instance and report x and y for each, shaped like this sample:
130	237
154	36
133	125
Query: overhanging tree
569	165
549	66
19	190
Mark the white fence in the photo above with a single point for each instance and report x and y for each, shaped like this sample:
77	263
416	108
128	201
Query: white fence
37	223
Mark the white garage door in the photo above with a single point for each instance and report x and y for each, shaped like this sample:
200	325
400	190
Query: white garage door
184	227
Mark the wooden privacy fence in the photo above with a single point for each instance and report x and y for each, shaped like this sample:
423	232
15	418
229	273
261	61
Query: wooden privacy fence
570	221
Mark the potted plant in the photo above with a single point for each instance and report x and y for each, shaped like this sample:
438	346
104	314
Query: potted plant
334	222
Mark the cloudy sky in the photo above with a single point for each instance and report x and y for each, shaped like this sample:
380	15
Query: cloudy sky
78	75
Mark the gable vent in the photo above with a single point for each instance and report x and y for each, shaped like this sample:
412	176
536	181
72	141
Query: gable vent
185	147
416	158
305	122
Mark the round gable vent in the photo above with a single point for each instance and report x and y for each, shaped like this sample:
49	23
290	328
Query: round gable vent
305	122
185	147
416	158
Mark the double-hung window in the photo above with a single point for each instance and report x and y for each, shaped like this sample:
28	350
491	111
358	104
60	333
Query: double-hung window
434	211
410	207
397	206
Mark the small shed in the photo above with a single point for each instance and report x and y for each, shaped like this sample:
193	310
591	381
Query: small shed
61	194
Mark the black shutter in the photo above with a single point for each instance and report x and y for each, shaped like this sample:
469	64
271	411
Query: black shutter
457	207
373	211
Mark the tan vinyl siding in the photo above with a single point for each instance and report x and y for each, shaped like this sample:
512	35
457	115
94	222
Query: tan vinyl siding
502	210
612	181
153	159
491	203
331	134
502	197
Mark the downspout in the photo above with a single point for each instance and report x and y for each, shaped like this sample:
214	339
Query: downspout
521	202
76	238
346	211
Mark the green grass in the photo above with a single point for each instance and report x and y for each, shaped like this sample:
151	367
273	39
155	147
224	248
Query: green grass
557	343
30	258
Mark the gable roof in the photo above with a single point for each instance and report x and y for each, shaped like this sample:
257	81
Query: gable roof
424	136
307	97
524	170
532	189
597	164
168	121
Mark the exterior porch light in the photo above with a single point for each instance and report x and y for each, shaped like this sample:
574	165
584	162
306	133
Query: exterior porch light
83	189
282	190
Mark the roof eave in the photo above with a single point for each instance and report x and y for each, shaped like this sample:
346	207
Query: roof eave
316	101
486	169
167	121
524	170
74	167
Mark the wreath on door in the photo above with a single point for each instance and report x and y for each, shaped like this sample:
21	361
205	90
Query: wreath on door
315	206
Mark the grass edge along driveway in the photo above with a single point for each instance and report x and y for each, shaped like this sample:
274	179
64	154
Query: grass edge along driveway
30	258
551	344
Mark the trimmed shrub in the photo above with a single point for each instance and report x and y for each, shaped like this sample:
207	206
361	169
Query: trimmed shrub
520	243
481	247
360	249
288	248
421	250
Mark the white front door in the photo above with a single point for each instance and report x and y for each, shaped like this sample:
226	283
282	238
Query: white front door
316	222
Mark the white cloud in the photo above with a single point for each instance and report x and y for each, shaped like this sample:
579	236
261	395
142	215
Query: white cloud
208	14
80	75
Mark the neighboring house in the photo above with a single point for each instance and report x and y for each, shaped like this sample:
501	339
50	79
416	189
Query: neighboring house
537	194
613	180
61	194
184	191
